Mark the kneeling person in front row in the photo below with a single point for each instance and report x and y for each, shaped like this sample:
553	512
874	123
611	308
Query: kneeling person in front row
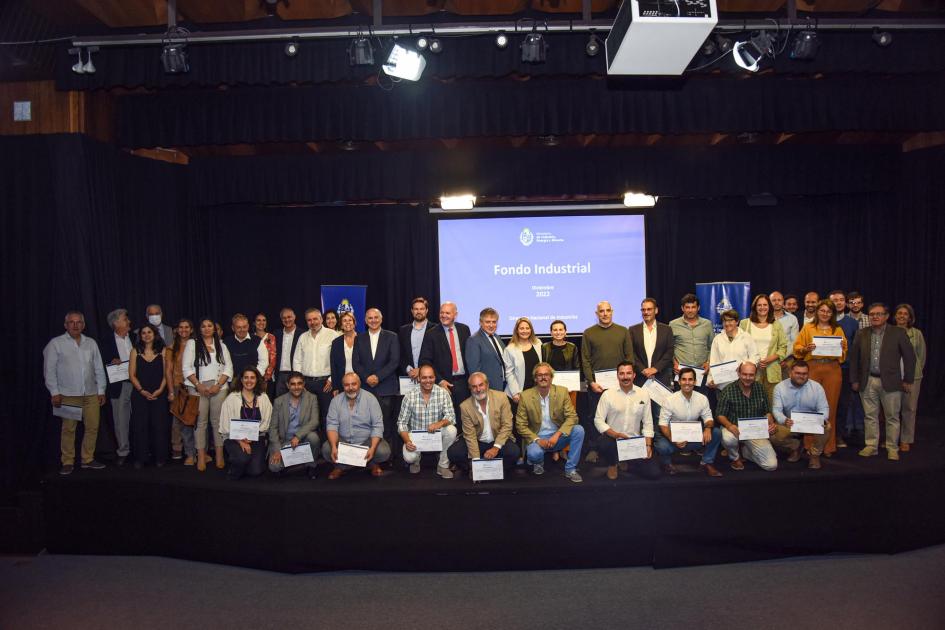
625	412
688	405
547	422
427	408
796	394
355	418
487	426
249	403
294	421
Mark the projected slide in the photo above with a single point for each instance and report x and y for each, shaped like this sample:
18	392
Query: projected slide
543	268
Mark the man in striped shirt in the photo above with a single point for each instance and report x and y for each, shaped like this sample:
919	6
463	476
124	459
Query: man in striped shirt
428	408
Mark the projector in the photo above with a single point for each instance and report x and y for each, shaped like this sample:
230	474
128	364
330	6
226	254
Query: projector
653	37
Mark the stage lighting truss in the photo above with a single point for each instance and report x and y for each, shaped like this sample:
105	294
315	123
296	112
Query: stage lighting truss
360	52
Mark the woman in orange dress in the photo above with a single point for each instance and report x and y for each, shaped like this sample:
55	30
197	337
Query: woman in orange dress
823	369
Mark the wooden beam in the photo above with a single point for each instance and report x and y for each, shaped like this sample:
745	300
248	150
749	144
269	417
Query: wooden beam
924	140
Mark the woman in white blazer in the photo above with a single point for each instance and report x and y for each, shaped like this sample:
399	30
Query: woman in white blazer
521	355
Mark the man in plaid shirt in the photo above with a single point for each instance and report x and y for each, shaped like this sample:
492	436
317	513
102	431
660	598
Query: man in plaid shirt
428	408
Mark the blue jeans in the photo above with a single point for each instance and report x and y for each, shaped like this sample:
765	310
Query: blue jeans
665	448
536	454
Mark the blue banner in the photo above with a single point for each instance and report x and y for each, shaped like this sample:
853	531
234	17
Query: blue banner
345	298
717	297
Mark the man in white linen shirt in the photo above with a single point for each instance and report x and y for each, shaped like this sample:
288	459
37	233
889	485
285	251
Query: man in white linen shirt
687	405
313	358
622	413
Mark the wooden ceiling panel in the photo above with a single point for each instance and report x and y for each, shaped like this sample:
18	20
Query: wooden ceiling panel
119	13
835	6
485	7
749	6
571	6
209	11
314	9
398	8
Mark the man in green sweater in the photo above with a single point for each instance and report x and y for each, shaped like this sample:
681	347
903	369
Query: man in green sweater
604	345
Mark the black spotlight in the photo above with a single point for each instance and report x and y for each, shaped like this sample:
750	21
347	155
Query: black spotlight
805	46
422	43
709	47
534	48
882	38
724	44
593	46
360	52
174	58
436	46
291	49
501	40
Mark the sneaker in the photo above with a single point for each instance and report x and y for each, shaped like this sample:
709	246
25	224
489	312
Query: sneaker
574	476
442	471
414	468
66	469
892	455
177	455
538	469
841	443
868	451
737	464
94	465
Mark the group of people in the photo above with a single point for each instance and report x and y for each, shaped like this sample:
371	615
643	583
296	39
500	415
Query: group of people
328	387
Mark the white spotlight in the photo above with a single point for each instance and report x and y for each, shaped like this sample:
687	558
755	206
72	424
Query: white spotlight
404	63
78	67
457	202
501	40
639	200
89	67
422	43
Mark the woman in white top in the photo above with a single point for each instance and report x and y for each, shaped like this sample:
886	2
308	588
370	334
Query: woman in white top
770	340
207	367
249	404
342	351
732	344
521	355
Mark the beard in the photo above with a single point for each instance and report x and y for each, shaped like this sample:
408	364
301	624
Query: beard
351	395
481	396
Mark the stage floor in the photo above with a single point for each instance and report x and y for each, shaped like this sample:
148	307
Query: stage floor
422	522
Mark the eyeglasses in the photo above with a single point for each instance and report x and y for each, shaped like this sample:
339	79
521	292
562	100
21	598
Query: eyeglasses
878	314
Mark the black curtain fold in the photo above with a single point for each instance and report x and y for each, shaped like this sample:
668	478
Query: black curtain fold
472	57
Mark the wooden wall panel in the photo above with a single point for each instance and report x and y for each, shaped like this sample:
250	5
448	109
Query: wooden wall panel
57	112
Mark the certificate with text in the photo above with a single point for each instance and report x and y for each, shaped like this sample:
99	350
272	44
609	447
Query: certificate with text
606	378
407	385
753	429
68	412
301	454
427	442
118	372
807	422
244	430
827	346
658	392
631	448
686	431
568	378
488	469
352	454
724	373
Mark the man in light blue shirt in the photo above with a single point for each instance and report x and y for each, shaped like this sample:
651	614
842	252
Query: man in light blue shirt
789	325
75	378
799	393
355	418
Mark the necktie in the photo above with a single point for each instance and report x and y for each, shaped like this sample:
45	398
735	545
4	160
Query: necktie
453	351
497	351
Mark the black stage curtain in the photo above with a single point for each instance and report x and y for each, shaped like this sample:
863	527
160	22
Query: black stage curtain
531	108
462	58
92	228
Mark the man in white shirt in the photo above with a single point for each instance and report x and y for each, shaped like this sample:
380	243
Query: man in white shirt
287	338
623	413
75	377
688	405
810	308
116	349
313	358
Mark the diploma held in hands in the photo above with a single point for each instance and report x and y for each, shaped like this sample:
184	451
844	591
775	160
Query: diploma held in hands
700	373
301	454
752	429
631	448
724	373
352	454
686	431
68	412
827	346
568	378
244	430
606	378
427	442
407	385
488	469
658	392
806	422
117	373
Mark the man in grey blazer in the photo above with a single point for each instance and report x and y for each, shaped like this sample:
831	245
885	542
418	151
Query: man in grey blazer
882	365
294	421
484	350
155	316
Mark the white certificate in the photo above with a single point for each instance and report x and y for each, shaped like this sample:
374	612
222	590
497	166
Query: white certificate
724	373
606	378
352	454
700	373
301	454
427	442
488	469
752	429
686	431
828	346
631	448
68	412
807	422
407	385
658	392
244	430
568	378
117	373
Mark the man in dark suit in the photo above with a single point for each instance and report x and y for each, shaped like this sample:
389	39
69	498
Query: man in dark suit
652	346
444	349
287	338
484	350
882	366
412	336
294	421
375	359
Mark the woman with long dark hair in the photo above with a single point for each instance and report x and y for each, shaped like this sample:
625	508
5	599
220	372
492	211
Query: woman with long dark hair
250	403
206	368
182	436
150	421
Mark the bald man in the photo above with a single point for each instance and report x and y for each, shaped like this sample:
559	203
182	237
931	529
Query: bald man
444	349
375	359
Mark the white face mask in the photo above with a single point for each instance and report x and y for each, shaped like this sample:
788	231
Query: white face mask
154	320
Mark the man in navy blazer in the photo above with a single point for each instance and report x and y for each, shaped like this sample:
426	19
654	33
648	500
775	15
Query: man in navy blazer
417	330
659	365
375	359
284	363
484	350
438	352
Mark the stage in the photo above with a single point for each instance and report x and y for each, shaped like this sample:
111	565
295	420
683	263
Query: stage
402	522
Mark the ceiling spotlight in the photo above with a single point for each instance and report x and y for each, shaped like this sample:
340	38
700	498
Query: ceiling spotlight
501	40
404	63
805	46
78	67
748	54
724	44
422	43
291	49
436	46
174	58
89	67
882	38
360	52
709	47
639	200
457	202
534	48
593	46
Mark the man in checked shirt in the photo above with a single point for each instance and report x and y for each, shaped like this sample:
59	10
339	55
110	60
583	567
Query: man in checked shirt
427	408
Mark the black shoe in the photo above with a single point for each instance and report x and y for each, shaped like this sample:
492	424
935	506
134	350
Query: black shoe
120	461
94	465
312	473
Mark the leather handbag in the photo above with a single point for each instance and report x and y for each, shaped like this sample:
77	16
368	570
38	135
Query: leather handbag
185	407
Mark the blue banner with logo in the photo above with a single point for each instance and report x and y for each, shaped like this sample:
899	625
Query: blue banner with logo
346	298
717	297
